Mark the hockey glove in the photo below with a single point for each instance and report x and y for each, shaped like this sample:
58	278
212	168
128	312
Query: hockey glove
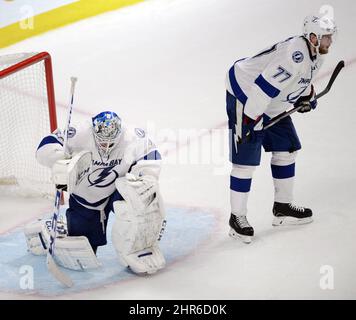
307	103
248	129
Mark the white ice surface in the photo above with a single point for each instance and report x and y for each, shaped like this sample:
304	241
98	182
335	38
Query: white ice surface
162	63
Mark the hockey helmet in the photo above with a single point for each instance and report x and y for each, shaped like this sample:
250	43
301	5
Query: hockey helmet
320	25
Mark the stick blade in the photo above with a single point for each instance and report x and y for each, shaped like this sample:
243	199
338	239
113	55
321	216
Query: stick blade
58	274
335	73
338	68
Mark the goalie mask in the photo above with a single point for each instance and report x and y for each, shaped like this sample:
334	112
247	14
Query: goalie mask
106	129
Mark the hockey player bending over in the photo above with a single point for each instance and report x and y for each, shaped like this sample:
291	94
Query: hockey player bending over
258	89
111	169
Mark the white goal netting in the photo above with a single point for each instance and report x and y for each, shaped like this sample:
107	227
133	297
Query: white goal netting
24	121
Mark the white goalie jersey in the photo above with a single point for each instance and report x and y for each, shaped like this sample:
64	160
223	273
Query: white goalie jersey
133	152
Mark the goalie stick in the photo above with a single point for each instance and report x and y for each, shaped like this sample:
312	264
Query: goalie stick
51	264
281	116
69	116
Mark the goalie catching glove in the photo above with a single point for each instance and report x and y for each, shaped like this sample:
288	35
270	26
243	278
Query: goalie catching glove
139	223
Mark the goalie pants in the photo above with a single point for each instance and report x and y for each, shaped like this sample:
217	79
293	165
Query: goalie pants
90	223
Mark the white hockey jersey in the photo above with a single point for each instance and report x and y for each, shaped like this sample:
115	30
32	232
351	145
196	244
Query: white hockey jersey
133	149
275	78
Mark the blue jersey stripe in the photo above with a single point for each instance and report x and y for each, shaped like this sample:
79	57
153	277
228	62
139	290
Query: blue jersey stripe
48	140
132	167
240	185
283	172
153	155
239	94
266	87
82	201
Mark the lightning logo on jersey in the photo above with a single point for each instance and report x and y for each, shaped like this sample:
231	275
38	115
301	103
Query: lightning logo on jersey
102	177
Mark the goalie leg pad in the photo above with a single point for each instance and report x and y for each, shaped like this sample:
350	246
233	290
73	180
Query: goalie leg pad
73	253
137	228
146	261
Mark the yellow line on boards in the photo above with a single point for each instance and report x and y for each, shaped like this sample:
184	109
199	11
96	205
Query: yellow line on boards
56	18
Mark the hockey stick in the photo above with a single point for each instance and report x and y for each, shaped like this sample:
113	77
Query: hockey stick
281	116
51	264
69	116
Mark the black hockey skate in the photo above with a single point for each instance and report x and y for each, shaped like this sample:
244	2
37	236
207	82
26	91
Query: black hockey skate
240	228
290	214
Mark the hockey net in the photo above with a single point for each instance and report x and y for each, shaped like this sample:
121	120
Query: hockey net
28	113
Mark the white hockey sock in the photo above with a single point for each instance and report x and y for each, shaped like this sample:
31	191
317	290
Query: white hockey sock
283	172
240	185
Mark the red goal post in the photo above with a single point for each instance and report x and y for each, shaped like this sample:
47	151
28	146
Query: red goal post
28	113
22	64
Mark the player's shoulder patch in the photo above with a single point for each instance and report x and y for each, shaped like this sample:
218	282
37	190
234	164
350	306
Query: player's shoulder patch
140	132
297	56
